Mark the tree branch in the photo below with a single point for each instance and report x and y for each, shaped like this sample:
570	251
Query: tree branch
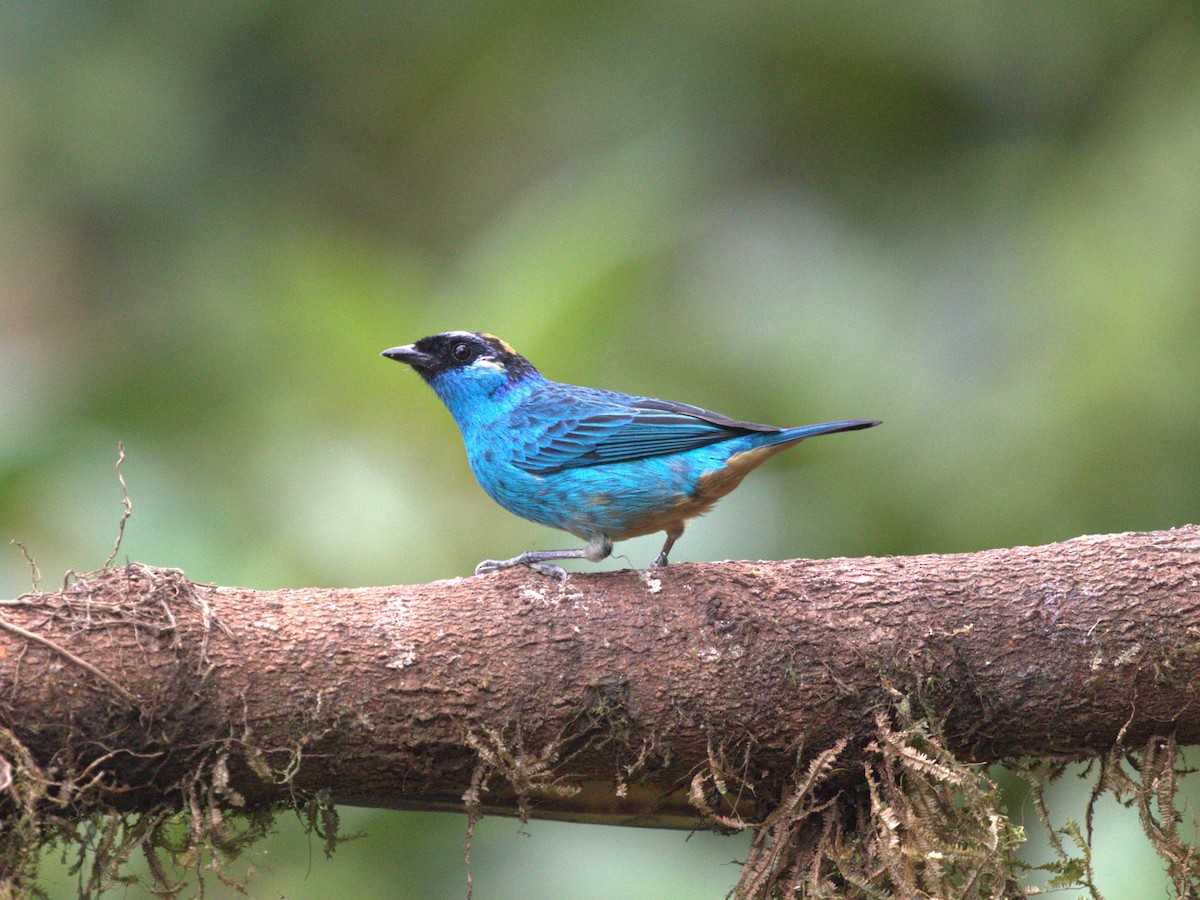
603	699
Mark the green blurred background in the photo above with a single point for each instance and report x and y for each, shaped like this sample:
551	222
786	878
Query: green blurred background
977	222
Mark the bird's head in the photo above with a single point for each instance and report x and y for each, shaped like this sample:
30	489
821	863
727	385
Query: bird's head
465	368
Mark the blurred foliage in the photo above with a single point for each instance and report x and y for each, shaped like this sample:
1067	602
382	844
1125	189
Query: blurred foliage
977	222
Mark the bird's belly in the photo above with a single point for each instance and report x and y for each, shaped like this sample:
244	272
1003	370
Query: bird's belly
620	500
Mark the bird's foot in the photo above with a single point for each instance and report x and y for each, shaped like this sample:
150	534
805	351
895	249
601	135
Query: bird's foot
550	570
497	565
660	560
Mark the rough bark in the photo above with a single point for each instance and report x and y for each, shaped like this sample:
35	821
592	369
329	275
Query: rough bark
513	689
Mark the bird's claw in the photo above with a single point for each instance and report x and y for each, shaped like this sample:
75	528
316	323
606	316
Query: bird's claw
551	570
497	565
489	565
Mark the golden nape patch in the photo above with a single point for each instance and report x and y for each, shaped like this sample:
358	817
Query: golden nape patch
504	345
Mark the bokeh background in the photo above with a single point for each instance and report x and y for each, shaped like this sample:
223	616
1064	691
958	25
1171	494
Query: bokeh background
977	222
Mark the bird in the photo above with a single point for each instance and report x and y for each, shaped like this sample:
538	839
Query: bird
601	465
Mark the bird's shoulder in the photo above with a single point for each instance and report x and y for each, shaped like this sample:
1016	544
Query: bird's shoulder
573	401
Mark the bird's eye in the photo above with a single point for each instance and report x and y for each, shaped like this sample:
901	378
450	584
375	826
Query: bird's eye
461	352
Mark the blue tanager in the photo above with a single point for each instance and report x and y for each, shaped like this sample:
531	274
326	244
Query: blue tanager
601	465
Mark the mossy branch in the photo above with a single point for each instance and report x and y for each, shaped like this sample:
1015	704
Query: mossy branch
729	690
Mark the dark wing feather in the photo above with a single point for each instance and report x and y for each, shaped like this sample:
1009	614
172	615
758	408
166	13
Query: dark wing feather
629	428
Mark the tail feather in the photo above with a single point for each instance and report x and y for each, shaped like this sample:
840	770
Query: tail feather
800	432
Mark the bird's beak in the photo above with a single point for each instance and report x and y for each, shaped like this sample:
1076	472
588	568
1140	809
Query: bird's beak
410	355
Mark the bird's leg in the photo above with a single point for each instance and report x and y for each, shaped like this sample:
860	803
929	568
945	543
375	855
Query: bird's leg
597	549
534	559
672	536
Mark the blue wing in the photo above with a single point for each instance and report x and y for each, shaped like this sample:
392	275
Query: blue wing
610	428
